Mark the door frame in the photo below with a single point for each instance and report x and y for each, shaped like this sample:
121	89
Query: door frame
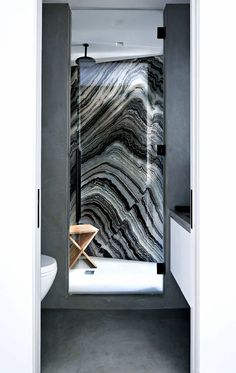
194	147
194	346
37	253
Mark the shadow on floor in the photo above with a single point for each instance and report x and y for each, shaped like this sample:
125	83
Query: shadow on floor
145	341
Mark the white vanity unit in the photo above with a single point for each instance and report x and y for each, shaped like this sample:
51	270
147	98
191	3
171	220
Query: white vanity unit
181	255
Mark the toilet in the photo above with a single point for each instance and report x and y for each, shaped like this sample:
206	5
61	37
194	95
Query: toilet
48	273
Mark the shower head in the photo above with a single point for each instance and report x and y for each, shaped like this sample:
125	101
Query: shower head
85	61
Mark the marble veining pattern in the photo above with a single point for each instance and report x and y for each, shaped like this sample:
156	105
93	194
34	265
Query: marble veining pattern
73	141
119	119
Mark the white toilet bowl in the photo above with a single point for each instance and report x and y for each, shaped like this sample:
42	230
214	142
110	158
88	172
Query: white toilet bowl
48	274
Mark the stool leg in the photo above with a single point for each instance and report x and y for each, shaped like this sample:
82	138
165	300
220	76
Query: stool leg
82	251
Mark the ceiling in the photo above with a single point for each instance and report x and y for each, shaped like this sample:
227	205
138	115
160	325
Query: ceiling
116	34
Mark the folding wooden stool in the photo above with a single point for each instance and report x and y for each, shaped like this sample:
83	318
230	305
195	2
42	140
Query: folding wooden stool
86	233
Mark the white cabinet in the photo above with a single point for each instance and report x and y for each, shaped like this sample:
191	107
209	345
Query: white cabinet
181	259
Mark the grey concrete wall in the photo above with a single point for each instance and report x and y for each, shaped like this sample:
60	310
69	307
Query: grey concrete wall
177	104
55	141
176	113
55	176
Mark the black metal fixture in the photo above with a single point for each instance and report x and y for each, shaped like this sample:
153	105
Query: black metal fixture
161	150
161	32
161	268
85	61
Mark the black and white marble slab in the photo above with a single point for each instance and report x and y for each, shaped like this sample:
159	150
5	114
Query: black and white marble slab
117	115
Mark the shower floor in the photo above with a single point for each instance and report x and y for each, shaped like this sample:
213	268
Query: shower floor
115	276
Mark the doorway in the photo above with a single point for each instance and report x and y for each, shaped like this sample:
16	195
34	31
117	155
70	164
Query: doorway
59	297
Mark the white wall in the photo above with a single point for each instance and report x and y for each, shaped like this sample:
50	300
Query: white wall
18	186
217	183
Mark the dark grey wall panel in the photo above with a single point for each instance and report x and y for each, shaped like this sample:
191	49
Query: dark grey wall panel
176	113
177	104
55	141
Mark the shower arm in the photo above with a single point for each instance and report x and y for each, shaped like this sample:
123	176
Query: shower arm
85	51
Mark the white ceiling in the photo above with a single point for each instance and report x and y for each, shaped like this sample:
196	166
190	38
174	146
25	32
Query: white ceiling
118	4
103	29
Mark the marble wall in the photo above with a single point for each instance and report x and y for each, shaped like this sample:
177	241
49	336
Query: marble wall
117	119
73	141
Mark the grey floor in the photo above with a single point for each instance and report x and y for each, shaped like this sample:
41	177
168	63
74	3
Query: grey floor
115	341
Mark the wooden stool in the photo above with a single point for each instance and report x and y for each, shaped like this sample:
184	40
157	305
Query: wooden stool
87	232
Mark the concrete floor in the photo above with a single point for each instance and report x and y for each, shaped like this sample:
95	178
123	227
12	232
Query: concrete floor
145	341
